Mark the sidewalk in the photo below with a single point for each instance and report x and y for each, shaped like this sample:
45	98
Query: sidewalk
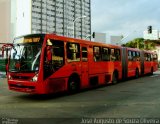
2	74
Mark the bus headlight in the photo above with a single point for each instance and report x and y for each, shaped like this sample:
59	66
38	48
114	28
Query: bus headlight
9	77
35	78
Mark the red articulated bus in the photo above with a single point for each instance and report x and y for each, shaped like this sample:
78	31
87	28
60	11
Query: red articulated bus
47	63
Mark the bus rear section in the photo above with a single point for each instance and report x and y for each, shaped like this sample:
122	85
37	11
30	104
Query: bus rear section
137	62
149	62
105	65
131	62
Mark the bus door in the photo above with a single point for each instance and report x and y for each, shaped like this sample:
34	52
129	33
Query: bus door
84	70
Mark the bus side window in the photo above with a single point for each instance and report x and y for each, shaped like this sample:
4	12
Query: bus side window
138	56
145	56
149	57
112	55
97	54
84	54
105	54
134	56
58	54
155	57
73	52
54	56
129	55
117	55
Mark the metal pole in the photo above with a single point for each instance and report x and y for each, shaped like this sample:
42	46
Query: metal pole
74	24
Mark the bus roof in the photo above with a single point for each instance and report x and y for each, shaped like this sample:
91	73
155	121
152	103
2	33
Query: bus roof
87	42
81	41
28	35
134	49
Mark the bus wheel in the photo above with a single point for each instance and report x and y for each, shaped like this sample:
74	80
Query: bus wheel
115	78
152	71
73	84
137	73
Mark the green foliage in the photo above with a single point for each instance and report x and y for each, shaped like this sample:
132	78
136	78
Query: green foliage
140	43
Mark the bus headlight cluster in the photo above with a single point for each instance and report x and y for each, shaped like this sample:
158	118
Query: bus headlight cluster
35	78
9	77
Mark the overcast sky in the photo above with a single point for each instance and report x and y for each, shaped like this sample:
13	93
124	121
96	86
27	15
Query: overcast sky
125	17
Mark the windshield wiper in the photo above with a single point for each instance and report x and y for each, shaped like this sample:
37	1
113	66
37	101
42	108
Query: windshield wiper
36	58
13	70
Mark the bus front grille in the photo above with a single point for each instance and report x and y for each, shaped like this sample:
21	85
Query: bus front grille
21	86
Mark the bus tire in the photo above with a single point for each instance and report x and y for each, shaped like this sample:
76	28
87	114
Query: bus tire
115	78
137	73
151	71
73	84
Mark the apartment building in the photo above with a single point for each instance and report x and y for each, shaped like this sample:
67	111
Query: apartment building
64	17
5	21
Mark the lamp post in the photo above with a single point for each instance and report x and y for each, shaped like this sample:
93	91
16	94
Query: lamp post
126	37
74	23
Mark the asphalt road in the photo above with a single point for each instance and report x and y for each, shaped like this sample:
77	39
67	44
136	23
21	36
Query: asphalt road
138	98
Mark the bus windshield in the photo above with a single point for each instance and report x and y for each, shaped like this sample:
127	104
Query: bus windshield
25	57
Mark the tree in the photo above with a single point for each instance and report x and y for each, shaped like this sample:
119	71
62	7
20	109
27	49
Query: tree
140	43
149	45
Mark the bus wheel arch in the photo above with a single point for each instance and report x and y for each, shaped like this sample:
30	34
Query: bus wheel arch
73	83
115	76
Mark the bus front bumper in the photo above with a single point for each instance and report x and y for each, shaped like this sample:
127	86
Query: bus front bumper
26	87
